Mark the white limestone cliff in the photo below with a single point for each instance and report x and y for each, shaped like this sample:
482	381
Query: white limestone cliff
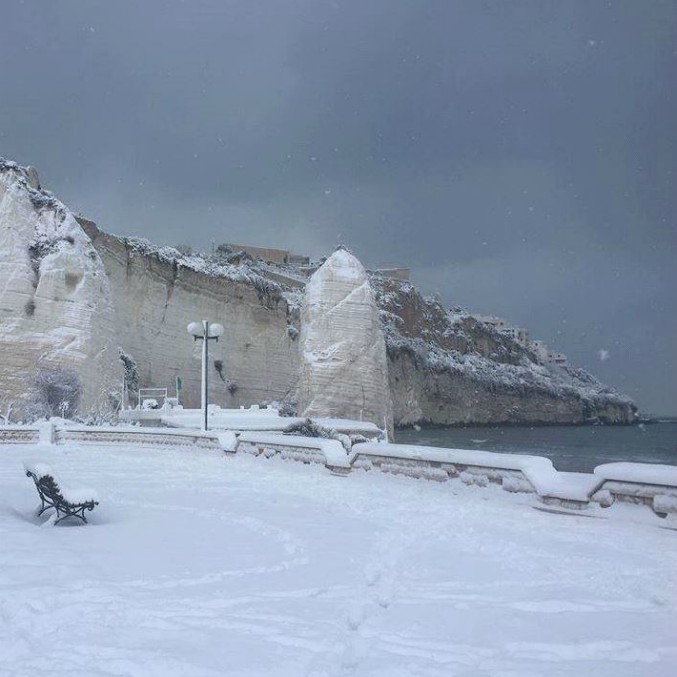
70	295
55	300
344	366
155	296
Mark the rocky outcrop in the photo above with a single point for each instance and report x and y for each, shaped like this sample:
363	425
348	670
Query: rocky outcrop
344	369
448	368
55	298
454	397
71	296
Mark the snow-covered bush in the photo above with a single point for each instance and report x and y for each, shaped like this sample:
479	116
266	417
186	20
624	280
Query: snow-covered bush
56	392
287	407
7	405
104	413
41	246
225	254
309	428
131	377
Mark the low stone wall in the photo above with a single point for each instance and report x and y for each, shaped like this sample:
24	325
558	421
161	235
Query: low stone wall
511	472
645	484
303	454
18	435
49	433
439	471
136	437
329	453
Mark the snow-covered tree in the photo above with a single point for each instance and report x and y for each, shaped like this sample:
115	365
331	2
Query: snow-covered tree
7	405
56	392
131	377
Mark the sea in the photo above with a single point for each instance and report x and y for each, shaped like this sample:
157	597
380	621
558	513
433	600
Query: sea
570	448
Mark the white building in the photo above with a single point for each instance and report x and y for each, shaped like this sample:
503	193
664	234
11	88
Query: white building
547	356
492	321
540	349
559	359
517	334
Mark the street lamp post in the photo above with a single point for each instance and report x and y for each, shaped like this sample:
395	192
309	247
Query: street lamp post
206	332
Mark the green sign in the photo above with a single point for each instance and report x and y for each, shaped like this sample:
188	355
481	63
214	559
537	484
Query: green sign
179	384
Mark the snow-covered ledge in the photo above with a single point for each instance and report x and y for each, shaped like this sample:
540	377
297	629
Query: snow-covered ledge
640	483
19	434
331	453
515	472
654	485
60	432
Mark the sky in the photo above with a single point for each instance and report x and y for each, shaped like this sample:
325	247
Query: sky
520	158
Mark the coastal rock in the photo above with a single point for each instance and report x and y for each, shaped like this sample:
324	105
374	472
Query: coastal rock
33	178
55	300
72	295
344	368
449	368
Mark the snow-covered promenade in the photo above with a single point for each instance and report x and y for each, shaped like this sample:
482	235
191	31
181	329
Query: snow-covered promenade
198	563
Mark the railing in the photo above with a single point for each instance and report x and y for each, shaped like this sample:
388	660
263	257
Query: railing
152	395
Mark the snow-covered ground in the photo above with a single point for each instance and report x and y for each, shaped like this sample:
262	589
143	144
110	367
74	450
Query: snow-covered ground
201	564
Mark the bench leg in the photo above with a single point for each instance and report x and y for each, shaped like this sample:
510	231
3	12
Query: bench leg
72	513
45	505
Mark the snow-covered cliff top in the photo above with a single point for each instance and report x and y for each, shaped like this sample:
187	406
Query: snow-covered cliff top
58	225
455	341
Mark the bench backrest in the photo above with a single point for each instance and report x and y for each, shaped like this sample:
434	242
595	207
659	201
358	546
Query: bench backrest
49	487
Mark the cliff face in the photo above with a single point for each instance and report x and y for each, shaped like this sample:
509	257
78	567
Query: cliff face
55	303
71	296
449	368
155	297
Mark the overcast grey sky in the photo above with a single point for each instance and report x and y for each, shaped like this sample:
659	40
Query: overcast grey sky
521	157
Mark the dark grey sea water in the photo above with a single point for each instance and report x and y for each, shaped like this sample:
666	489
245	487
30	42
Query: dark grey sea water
577	449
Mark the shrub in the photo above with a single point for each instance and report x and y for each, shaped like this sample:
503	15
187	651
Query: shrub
131	370
57	392
309	428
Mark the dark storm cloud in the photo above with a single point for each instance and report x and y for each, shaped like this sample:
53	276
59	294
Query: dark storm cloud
519	156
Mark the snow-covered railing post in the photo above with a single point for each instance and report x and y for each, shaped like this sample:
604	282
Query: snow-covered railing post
205	331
